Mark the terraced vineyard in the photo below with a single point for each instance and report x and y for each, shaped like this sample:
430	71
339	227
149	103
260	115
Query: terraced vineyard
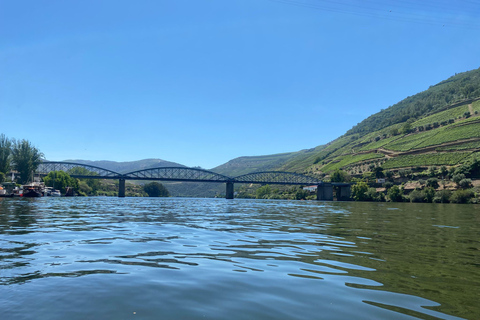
438	126
443	116
409	142
452	133
379	143
427	159
346	160
463	146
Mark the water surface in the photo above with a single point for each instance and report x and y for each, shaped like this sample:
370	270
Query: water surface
142	258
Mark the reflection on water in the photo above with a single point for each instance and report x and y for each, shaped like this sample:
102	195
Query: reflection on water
115	258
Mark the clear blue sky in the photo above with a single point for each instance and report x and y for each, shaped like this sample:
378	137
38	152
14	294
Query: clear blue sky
201	82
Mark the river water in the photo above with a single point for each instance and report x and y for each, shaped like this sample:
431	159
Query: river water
177	258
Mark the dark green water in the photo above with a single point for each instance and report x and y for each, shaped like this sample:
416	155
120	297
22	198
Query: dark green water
133	258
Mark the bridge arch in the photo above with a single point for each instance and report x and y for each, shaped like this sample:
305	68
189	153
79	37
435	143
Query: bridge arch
276	177
177	174
92	171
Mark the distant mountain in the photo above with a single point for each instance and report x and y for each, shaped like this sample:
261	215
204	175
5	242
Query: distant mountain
244	165
129	166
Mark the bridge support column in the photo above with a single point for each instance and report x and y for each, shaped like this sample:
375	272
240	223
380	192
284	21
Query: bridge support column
121	188
325	192
229	191
344	193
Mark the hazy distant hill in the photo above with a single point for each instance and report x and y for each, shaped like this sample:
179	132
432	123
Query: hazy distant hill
129	166
244	165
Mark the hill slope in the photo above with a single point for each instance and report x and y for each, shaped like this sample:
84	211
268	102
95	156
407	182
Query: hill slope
439	126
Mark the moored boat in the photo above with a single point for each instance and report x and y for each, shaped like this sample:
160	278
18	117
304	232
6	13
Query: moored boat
33	190
50	192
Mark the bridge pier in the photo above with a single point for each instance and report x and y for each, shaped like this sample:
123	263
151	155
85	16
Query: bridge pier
344	193
229	191
121	188
325	192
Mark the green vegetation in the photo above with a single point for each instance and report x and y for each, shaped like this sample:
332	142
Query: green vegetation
5	151
278	192
25	158
452	133
409	142
346	160
379	143
426	159
463	146
20	155
60	180
443	116
155	189
460	87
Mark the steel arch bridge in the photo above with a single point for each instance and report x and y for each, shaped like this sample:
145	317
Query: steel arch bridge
176	174
185	174
77	170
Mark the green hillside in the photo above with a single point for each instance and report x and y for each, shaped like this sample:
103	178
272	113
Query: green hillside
439	126
457	89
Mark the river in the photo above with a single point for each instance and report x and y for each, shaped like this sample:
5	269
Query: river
179	258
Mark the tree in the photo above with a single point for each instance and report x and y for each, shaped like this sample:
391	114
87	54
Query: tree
417	196
263	192
395	194
442	196
407	127
465	183
60	180
378	172
443	171
433	182
339	176
429	194
26	158
93	184
155	189
359	191
461	196
5	151
458	177
301	194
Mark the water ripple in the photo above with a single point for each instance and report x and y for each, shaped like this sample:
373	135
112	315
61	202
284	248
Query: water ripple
189	258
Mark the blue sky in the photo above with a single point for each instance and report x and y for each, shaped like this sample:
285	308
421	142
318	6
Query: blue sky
201	82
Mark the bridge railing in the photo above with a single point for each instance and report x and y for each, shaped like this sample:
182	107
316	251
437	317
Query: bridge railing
177	174
77	170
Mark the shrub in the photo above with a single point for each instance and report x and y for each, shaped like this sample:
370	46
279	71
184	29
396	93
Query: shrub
458	177
442	196
359	190
465	183
429	193
395	194
433	182
461	196
417	196
155	189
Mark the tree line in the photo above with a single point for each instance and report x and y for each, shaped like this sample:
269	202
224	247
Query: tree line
461	87
19	155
